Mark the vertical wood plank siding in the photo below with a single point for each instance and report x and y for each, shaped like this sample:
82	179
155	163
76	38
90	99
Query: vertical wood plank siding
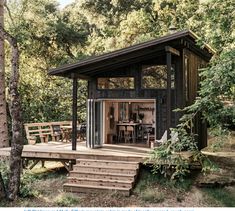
195	63
178	99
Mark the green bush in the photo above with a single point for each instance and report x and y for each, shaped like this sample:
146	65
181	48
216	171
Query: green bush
26	185
4	169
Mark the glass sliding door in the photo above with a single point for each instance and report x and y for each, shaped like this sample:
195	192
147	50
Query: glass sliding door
94	123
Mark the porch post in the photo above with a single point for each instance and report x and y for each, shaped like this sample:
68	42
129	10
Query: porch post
168	98
74	113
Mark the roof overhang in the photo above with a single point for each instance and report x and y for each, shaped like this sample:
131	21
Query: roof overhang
89	67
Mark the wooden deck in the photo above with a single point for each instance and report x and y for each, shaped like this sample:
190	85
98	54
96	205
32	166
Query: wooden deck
60	151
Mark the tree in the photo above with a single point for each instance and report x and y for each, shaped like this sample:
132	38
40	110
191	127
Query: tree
47	37
2	188
17	126
3	111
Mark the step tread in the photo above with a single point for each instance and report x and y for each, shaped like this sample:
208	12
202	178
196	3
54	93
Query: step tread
107	167
101	180
104	173
108	161
96	187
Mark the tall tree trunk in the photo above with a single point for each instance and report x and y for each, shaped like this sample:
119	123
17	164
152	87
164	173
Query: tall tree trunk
4	142
17	127
2	188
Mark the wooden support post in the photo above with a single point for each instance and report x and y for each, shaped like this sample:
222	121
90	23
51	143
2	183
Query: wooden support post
68	165
35	162
74	113
168	102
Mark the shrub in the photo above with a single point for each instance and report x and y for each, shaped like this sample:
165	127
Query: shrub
4	169
26	185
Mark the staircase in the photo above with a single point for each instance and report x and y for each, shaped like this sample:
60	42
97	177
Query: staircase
92	175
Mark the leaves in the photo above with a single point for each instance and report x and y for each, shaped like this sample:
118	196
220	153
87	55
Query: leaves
49	37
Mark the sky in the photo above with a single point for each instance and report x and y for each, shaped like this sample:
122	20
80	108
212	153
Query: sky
63	3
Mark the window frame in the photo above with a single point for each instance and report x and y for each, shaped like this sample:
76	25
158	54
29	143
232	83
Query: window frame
142	76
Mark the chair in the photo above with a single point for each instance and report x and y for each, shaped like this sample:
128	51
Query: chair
130	134
121	133
161	141
56	132
82	131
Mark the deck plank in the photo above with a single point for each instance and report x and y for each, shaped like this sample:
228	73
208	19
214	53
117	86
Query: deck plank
63	151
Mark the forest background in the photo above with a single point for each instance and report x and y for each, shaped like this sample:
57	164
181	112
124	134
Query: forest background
49	36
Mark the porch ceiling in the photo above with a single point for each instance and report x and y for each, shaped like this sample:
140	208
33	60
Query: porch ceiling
92	66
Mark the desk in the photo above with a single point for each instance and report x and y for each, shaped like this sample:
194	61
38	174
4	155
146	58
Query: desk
134	125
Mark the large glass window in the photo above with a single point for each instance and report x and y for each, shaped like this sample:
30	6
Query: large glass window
155	77
116	83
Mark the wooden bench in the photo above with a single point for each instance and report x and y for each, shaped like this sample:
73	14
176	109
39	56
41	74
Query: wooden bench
44	131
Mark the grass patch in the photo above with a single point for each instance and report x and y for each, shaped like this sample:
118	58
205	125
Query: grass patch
67	200
29	182
148	179
220	195
152	196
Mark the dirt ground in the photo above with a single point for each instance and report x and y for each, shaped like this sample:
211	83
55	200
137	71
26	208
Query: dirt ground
151	191
43	188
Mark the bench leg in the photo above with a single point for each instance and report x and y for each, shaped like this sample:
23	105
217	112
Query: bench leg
53	138
44	139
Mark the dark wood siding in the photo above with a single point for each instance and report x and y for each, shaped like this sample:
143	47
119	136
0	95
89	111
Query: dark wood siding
138	93
178	94
194	63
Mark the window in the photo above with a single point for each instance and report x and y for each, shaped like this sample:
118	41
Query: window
155	77
116	83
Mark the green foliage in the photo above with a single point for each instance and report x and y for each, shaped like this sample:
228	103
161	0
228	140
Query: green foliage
152	196
217	86
147	180
220	197
49	37
67	200
26	185
221	137
5	170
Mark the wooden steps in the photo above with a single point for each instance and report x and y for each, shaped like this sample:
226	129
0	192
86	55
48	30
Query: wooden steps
100	182
102	175
90	175
92	189
113	157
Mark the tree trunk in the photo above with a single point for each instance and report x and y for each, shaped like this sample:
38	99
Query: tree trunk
4	142
2	188
17	127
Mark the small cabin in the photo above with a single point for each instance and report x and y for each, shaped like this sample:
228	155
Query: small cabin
132	92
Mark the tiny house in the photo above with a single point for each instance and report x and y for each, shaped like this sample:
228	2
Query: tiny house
132	92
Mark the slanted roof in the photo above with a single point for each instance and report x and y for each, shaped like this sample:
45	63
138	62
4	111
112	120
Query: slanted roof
93	65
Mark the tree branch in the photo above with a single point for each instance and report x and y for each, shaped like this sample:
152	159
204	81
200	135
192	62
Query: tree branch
9	13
